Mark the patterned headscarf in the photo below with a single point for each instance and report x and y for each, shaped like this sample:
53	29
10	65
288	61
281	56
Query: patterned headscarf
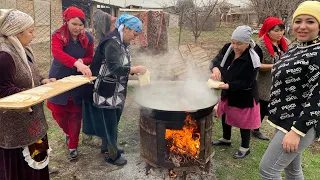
63	33
102	23
13	22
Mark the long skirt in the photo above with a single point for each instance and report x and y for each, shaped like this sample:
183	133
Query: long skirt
244	118
103	123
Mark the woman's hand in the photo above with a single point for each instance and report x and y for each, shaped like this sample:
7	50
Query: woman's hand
223	86
216	74
138	69
46	81
291	142
84	69
80	60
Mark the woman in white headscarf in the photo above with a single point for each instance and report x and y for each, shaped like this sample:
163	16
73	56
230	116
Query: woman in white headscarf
237	65
23	141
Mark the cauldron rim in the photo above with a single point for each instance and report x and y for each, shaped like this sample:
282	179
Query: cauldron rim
176	116
197	107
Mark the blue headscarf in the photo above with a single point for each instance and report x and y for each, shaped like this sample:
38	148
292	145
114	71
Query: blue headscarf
129	21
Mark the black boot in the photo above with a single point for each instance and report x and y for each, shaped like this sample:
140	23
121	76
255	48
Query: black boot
105	151
120	161
104	147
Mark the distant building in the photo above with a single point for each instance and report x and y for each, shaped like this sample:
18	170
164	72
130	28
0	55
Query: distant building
243	15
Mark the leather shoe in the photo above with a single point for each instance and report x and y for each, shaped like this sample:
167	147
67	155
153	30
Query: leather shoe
73	154
119	162
120	150
239	154
221	143
260	135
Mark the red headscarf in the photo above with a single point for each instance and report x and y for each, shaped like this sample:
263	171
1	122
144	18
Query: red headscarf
268	24
63	33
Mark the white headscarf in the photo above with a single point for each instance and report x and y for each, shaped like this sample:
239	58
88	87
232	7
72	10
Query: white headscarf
13	22
243	34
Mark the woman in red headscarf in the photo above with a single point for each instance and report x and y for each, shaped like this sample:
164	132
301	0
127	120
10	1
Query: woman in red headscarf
72	49
272	45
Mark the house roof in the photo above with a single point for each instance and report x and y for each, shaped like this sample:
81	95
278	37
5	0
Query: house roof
240	11
138	10
126	3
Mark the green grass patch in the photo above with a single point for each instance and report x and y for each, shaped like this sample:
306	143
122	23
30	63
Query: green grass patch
248	168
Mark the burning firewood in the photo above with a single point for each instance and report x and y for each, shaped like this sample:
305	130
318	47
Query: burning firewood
176	160
172	174
184	144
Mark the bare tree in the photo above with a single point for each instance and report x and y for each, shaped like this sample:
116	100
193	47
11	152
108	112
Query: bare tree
195	13
198	15
282	9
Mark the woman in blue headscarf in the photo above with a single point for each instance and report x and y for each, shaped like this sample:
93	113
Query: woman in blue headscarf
112	65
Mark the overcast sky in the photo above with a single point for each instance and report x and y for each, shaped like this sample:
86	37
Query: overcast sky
235	2
238	2
153	3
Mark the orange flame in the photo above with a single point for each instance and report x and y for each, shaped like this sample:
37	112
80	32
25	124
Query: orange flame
185	141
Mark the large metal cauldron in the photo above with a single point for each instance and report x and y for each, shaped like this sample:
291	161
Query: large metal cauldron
165	105
173	100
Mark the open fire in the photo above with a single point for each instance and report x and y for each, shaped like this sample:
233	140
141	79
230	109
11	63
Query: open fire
184	144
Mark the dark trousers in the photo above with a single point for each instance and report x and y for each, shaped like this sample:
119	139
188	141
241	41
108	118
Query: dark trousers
263	110
112	117
245	133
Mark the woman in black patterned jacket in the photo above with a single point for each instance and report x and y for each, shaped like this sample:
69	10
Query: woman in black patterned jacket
112	66
294	106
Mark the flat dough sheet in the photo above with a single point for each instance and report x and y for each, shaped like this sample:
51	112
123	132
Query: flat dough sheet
20	98
38	90
213	83
75	78
144	79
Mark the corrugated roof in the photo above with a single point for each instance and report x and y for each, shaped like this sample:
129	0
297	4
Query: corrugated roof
125	3
111	2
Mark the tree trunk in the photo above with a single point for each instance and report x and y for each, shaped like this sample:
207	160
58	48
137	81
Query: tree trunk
181	22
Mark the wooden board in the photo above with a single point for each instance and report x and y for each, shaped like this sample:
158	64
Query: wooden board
195	58
38	94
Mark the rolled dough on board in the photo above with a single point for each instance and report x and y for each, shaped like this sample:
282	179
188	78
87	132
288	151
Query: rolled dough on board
75	78
20	98
38	90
